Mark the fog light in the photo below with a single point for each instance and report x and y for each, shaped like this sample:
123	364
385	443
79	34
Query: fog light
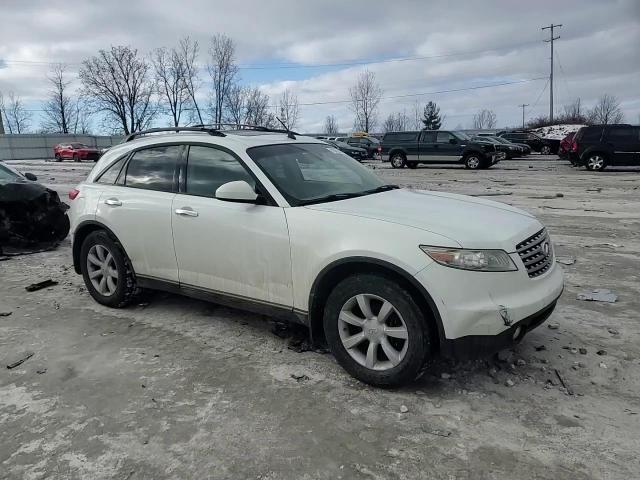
516	333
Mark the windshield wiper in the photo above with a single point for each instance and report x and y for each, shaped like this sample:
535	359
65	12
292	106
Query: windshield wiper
343	196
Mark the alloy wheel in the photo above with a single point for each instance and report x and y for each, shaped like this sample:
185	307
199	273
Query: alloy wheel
473	162
397	161
102	270
546	150
595	162
373	332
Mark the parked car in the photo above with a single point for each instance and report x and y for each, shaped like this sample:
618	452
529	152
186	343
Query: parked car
510	150
30	214
437	146
545	146
599	146
372	145
524	148
280	224
75	151
358	153
565	145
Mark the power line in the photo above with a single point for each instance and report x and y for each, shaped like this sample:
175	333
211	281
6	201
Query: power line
408	95
348	63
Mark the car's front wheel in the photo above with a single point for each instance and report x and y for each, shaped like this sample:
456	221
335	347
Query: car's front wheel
473	161
106	270
376	330
58	157
397	160
545	150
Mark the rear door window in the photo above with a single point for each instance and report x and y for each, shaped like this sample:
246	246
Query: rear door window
428	137
153	168
208	168
624	135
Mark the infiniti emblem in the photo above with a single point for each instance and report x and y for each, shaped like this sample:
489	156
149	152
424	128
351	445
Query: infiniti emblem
545	248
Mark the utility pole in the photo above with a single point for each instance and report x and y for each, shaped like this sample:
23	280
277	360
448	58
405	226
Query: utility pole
523	105
551	39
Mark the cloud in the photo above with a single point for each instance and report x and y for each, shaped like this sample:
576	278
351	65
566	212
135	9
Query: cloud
469	45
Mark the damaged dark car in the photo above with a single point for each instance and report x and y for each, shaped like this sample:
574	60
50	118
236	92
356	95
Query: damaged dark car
32	217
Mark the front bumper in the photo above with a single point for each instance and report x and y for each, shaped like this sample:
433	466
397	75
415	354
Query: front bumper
479	311
497	156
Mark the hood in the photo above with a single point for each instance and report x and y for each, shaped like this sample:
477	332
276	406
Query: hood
469	221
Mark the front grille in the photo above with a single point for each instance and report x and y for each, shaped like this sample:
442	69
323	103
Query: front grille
536	253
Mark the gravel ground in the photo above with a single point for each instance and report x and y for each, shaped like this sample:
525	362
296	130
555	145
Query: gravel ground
178	388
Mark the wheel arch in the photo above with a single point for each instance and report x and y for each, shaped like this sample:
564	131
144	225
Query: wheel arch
340	269
396	150
81	232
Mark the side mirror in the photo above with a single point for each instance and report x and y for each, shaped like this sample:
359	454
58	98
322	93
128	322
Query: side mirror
30	176
238	191
453	141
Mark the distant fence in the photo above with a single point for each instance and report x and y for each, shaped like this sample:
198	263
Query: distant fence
39	146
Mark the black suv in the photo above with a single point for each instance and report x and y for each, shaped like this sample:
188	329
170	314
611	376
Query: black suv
545	146
371	145
437	146
599	146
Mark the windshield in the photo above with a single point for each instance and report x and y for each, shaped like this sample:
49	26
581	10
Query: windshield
78	145
314	173
462	136
486	139
502	140
7	175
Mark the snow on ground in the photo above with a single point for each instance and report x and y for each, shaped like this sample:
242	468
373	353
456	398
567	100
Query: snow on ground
557	132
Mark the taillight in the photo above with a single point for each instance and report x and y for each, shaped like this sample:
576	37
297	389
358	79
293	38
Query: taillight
379	148
73	193
574	146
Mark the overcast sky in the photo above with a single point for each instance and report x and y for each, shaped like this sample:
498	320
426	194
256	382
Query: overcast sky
284	44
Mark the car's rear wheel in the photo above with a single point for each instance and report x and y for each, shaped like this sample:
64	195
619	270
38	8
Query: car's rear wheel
397	160
596	162
545	150
376	330
58	157
106	270
473	161
75	157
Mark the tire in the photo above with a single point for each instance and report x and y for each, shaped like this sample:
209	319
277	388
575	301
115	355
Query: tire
58	157
411	354
397	160
545	150
596	162
473	161
412	165
75	158
125	281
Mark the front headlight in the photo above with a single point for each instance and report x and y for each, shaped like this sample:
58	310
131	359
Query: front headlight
478	260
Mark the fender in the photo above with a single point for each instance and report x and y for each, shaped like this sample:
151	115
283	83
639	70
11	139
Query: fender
86	226
315	294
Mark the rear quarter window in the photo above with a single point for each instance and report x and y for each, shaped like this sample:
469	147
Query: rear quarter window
590	134
399	137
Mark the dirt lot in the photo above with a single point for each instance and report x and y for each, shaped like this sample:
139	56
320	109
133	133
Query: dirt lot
178	388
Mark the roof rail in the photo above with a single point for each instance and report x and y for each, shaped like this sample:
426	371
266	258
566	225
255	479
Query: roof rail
245	126
197	128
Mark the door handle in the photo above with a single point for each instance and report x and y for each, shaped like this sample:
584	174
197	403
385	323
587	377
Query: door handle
186	212
114	202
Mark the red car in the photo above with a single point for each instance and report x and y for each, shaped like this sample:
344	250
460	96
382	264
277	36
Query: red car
565	145
76	151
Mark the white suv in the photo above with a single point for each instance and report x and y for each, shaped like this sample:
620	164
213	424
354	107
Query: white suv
291	227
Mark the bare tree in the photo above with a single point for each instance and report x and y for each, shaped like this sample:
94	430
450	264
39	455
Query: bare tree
235	104
415	121
330	125
2	114
365	97
117	82
82	117
169	68
606	111
288	108
16	116
188	50
257	108
484	119
223	71
396	122
59	111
